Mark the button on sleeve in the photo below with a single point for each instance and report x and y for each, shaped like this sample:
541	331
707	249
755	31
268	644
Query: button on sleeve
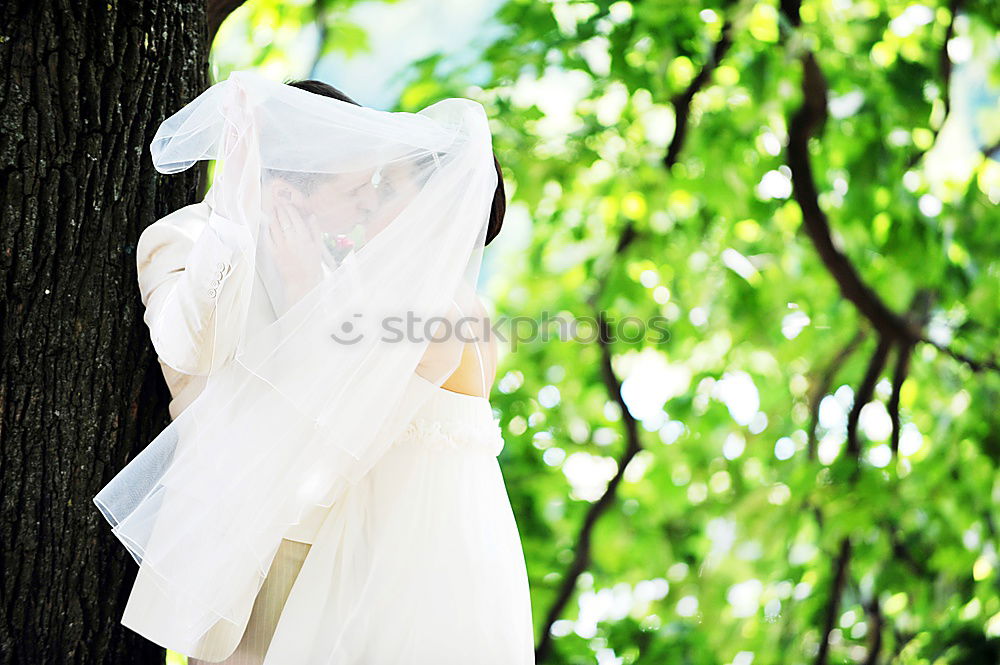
178	258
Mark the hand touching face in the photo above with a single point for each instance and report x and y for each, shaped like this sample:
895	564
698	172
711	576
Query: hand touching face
295	248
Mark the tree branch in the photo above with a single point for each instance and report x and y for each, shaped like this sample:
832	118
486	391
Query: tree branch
864	394
833	602
993	151
216	12
944	60
682	102
902	554
581	555
876	623
807	120
822	387
919	314
945	69
898	377
804	124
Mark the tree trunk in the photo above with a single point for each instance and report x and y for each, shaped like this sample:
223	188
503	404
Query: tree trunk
84	87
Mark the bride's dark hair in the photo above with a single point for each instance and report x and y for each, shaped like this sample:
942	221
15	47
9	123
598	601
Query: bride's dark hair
499	206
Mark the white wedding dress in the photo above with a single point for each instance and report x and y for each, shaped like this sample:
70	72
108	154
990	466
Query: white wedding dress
420	564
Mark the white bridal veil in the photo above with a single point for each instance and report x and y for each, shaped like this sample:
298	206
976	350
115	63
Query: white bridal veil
360	227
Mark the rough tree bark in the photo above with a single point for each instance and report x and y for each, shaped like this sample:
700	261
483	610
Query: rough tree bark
83	87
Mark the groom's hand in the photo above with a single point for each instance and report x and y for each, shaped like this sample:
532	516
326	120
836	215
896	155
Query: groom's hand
296	249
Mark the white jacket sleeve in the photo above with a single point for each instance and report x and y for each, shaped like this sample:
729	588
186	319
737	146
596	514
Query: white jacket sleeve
184	266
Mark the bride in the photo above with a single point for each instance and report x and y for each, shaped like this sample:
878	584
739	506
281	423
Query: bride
328	491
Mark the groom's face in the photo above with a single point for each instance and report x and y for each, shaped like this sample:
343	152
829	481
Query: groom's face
372	198
344	200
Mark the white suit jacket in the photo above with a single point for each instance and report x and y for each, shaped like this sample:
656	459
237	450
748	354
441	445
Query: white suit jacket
187	271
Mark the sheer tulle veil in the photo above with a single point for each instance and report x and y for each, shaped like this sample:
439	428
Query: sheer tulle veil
391	212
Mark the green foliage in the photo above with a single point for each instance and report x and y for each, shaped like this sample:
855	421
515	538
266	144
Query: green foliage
720	543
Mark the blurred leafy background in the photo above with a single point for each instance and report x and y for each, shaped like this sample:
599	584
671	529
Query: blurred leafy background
804	470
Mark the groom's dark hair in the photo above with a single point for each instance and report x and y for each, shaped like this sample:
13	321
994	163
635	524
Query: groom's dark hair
499	205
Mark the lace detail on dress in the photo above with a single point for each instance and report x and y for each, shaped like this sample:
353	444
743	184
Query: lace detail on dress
454	435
